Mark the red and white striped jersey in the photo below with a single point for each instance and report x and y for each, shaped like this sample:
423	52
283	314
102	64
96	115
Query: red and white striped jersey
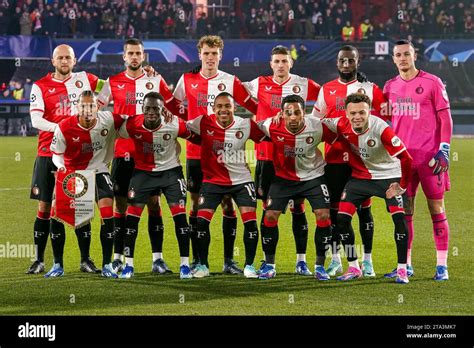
331	103
270	93
87	149
127	93
158	149
375	150
52	100
224	148
296	157
200	93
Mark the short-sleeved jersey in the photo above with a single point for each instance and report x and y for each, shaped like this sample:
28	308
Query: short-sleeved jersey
375	150
413	106
223	159
53	100
90	149
270	93
158	149
296	157
200	93
331	103
127	93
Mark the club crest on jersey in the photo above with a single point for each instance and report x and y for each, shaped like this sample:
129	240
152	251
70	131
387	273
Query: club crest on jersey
35	190
221	87
371	142
239	134
79	84
419	90
166	136
201	200
296	89
131	194
104	132
361	91
75	185
396	141
149	86
309	140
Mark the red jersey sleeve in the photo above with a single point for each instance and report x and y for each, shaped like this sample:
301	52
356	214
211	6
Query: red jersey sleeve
119	120
242	96
256	133
313	90
94	82
183	131
328	135
391	142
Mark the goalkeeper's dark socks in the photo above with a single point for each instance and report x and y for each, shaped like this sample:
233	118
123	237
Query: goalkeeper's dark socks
58	239
41	232
155	230
84	240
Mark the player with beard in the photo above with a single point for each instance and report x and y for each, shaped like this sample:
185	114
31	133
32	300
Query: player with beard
54	98
269	91
127	90
330	104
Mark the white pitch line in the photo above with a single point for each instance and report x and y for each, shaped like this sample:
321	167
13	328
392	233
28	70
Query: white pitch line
14	188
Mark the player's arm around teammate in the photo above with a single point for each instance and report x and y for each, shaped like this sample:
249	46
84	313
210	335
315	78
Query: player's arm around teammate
157	168
380	167
299	168
85	142
225	172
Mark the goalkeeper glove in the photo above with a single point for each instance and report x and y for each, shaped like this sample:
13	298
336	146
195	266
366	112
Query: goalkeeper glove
440	162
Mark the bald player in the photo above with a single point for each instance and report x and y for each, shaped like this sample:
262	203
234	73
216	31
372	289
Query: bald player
53	98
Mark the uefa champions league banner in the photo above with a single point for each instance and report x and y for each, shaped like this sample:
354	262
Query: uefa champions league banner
74	197
159	51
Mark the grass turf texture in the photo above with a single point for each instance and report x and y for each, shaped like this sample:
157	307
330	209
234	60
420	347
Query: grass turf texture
287	294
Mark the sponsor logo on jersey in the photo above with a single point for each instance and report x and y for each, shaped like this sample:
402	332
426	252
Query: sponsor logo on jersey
166	136
296	89
131	194
371	142
239	134
104	132
79	84
149	86
221	87
396	141
419	90
309	140
75	185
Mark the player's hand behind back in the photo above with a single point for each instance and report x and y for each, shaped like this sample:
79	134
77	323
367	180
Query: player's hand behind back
394	190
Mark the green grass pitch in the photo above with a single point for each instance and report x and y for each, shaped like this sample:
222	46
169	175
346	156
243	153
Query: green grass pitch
287	294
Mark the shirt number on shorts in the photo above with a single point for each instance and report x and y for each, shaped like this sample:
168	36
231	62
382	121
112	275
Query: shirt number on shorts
251	190
324	188
108	180
182	186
